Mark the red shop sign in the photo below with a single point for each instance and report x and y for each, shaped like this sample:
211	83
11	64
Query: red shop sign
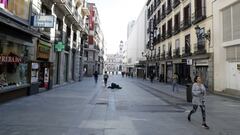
10	59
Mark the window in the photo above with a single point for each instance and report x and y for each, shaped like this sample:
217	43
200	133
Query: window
233	53
177	43
187	14
236	21
227	30
177	21
13	64
231	23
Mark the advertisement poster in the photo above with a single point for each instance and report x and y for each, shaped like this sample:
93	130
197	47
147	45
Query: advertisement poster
46	77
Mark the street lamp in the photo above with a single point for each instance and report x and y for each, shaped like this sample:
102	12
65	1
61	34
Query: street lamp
200	32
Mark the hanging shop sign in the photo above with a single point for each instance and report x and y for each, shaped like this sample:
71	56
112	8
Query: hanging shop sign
202	62
43	50
59	47
10	59
43	21
189	61
151	27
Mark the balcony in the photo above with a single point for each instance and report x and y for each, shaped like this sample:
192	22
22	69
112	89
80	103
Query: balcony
158	19
163	37
68	41
176	29
158	56
186	51
74	44
148	45
163	56
158	2
169	54
154	41
169	10
169	33
186	23
199	15
176	53
176	3
158	38
200	48
163	15
69	4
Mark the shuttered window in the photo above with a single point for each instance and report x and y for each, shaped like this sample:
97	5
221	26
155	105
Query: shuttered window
227	30
233	53
231	23
236	21
238	53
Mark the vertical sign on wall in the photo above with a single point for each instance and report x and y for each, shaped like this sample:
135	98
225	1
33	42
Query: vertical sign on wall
151	34
91	24
91	20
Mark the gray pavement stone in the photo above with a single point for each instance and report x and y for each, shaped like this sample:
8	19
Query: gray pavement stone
137	109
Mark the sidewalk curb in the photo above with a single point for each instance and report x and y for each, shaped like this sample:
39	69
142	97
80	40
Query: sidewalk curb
225	95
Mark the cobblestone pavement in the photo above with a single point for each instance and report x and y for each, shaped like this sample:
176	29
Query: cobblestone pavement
139	108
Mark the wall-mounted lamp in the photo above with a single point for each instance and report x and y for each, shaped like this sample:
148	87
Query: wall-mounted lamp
200	32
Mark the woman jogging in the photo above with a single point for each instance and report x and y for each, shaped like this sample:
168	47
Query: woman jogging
199	93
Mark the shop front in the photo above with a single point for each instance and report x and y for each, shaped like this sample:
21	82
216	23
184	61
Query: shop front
42	69
14	67
183	70
201	66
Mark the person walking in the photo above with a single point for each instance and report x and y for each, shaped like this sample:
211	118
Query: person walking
105	78
95	75
199	93
175	82
151	77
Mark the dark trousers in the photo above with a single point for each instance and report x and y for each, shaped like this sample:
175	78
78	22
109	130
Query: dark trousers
203	110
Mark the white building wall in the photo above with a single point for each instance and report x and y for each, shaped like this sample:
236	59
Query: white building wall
137	41
226	74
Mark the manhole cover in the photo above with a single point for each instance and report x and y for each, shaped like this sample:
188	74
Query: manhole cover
101	103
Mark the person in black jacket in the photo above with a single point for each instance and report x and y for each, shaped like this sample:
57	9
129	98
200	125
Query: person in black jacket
95	75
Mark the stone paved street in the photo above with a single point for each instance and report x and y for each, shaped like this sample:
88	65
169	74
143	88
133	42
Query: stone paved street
139	108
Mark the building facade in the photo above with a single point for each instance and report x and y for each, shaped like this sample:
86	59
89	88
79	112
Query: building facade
16	48
179	39
227	46
114	62
94	50
40	46
136	44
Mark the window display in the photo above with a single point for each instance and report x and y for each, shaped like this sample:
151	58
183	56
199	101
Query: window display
13	64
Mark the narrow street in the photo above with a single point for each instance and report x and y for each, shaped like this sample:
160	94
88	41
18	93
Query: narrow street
139	108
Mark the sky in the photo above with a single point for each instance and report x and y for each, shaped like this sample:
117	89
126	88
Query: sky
114	17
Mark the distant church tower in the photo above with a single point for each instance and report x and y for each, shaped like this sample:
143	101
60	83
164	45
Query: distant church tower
121	48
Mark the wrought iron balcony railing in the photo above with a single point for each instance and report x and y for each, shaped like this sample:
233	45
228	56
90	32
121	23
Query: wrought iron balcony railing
176	29
176	3
186	51
162	57
176	53
200	47
199	15
186	23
